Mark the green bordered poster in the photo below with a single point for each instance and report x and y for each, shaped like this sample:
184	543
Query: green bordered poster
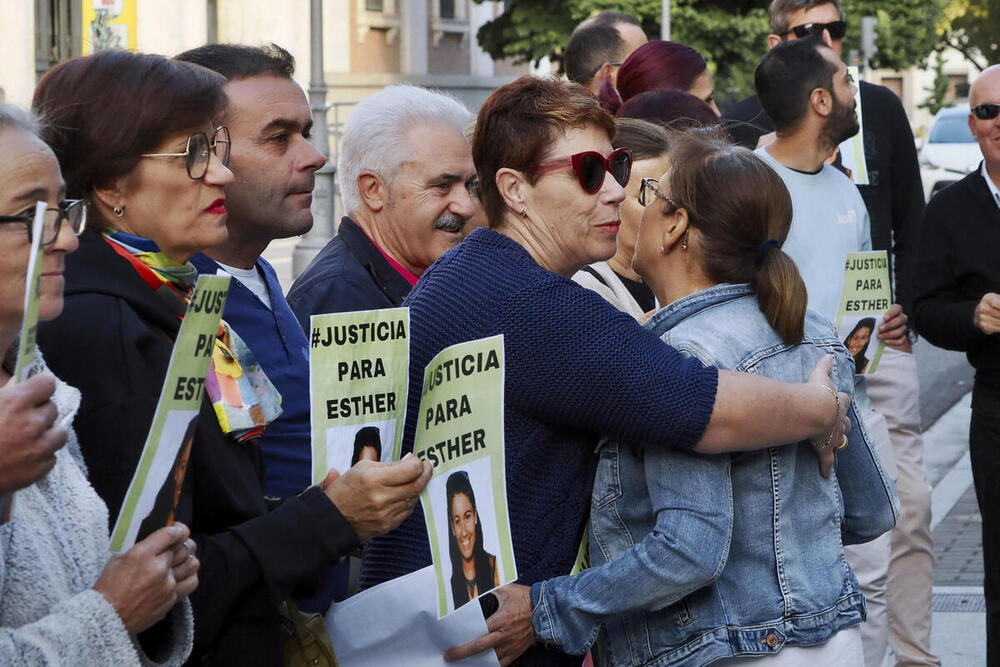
26	349
25	365
460	431
152	495
865	298
358	377
852	150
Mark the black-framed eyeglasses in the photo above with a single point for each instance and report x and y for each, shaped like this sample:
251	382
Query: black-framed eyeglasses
986	111
590	167
197	155
649	184
837	30
73	211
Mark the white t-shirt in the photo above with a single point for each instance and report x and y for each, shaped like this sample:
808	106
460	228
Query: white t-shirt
252	280
829	220
843	650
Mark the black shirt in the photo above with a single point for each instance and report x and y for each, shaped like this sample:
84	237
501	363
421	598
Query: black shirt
956	265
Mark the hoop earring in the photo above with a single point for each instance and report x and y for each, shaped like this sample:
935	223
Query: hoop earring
684	241
119	211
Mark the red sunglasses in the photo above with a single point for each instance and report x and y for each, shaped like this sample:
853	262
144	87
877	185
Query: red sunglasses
590	167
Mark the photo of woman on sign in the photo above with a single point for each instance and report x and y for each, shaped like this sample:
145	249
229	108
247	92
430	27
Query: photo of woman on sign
473	570
367	445
857	342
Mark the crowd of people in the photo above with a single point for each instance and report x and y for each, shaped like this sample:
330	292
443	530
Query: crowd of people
677	401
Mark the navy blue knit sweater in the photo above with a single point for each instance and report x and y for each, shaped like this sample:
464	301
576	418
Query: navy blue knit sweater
576	368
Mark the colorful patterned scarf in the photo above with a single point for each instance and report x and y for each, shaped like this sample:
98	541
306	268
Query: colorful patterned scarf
244	399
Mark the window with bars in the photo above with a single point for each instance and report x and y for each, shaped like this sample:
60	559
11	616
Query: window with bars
374	5
57	33
446	9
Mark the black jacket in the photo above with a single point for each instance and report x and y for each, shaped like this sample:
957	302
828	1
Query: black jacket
956	265
894	195
348	274
113	342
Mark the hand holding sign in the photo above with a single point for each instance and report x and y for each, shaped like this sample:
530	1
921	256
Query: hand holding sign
140	583
510	632
892	331
376	497
29	435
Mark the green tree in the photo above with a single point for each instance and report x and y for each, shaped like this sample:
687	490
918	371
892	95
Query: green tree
907	30
971	27
939	88
731	34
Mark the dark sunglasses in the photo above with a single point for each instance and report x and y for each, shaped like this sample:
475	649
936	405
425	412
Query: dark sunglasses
197	155
986	111
837	30
590	167
73	211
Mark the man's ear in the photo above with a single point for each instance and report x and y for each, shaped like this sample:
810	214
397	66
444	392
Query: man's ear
511	184
773	40
821	101
373	190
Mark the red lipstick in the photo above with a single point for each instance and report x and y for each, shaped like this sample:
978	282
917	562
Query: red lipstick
218	207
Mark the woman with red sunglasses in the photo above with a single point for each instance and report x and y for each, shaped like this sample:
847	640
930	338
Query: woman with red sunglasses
575	366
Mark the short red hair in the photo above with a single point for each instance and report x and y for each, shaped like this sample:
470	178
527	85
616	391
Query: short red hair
519	123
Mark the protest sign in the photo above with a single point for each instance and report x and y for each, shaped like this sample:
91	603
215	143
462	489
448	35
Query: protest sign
358	378
852	150
27	345
865	297
396	623
25	366
155	487
460	431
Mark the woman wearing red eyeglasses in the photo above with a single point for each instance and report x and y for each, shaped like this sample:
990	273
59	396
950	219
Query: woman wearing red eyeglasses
576	367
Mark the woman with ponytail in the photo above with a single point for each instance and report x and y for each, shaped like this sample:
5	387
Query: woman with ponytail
735	557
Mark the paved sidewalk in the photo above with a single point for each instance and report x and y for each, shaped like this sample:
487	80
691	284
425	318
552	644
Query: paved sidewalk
959	621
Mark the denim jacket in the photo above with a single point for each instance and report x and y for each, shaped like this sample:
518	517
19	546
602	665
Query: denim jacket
696	557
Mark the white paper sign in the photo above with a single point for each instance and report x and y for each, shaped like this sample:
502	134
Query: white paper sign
396	623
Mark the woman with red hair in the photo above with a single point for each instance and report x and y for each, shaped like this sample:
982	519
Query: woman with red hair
661	64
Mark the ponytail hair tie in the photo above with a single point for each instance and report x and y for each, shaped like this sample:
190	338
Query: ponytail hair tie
763	249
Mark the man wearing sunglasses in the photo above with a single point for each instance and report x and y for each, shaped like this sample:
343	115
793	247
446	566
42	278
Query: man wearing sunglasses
957	306
894	199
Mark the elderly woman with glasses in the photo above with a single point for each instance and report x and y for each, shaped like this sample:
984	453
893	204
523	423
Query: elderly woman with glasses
576	367
65	599
134	133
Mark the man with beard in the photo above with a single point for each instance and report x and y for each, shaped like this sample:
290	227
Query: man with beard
406	176
806	90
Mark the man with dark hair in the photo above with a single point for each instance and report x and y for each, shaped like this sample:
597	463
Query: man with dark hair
895	203
957	306
269	124
598	47
274	163
806	90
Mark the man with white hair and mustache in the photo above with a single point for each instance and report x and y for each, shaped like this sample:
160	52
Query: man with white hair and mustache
406	177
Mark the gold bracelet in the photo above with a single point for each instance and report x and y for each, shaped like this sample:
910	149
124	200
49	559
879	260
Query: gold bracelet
836	416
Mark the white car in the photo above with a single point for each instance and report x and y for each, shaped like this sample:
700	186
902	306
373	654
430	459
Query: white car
950	151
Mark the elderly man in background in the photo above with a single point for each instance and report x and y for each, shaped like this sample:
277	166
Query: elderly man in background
957	307
407	180
598	47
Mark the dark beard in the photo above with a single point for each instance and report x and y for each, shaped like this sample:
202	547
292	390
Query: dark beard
841	125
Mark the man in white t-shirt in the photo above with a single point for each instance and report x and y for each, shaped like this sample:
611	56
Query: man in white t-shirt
806	90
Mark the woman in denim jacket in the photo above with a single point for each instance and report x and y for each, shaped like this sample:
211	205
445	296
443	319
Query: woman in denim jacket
695	558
